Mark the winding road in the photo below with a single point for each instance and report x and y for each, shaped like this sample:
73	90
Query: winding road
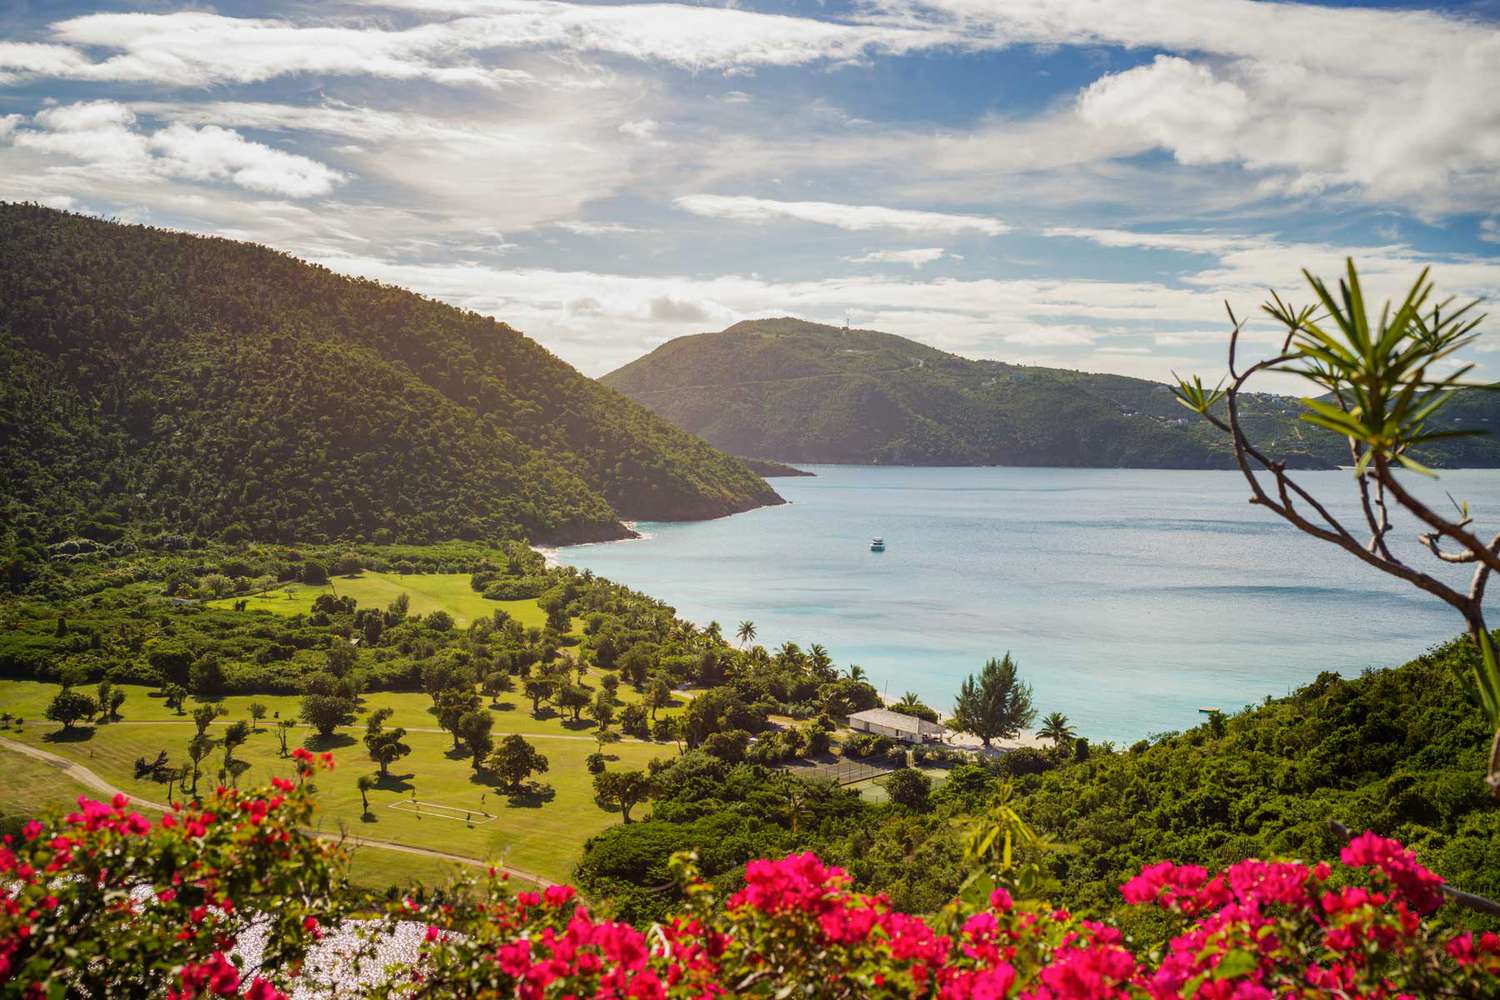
92	780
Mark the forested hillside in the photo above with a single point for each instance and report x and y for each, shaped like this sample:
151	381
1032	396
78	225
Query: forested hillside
804	392
186	384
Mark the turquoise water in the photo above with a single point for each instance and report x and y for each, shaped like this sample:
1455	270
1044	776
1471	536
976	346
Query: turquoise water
1130	597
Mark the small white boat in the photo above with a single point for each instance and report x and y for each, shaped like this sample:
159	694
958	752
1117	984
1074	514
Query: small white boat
877	545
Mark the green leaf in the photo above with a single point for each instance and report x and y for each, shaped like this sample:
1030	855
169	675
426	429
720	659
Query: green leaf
1235	963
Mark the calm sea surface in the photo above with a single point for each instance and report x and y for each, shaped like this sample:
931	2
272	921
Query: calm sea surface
1130	597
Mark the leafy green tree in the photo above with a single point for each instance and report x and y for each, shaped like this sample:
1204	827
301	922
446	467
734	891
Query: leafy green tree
70	706
572	698
385	746
658	695
257	712
199	747
207	677
636	663
1055	727
624	789
602	710
539	690
745	633
314	573
911	704
235	734
513	761
496	683
439	621
996	705
340	658
474	729
451	705
110	698
908	788
174	696
633	722
204	716
327	712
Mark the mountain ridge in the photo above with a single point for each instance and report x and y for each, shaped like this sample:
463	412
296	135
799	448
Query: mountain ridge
797	391
200	384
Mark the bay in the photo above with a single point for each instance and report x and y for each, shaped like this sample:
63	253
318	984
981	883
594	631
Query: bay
1131	598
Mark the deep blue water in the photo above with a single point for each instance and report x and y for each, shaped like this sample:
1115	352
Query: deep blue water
1130	597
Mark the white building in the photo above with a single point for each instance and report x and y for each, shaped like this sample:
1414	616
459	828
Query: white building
907	728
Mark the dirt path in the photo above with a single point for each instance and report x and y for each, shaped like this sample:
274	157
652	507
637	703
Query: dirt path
409	729
92	780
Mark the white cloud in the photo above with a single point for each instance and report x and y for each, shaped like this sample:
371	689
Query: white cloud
916	258
579	228
644	128
1489	230
194	49
104	136
856	218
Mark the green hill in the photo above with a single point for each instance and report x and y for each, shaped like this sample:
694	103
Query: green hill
188	384
805	392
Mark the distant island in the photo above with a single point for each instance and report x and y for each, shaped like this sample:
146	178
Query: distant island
807	392
188	385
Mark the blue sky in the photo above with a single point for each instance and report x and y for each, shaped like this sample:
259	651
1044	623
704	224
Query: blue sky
1079	183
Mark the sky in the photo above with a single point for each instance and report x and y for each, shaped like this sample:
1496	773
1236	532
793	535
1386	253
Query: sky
1076	183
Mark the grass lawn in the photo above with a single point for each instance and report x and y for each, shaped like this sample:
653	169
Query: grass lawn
544	837
30	787
428	592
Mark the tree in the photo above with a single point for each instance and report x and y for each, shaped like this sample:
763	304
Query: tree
513	761
908	788
1378	386
70	706
257	713
745	633
364	783
623	789
1055	728
314	573
452	704
658	695
820	663
385	746
572	698
283	734
110	698
440	621
636	663
340	657
539	689
997	705
174	696
199	747
911	704
206	679
496	683
474	729
633	722
602	711
234	735
327	712
204	716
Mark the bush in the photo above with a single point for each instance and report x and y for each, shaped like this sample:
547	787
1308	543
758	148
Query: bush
595	763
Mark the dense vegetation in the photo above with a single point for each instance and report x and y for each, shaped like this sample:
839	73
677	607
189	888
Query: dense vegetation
799	391
1397	751
184	385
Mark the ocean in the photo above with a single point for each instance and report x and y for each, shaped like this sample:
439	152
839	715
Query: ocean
1130	598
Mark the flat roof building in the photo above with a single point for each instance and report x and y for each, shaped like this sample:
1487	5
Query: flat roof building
907	728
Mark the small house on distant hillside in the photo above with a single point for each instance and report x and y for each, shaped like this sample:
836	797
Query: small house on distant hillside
907	728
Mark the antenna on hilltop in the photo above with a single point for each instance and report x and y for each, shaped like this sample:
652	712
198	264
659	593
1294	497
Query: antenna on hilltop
846	320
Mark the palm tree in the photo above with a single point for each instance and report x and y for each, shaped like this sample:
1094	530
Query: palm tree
821	662
856	672
365	783
909	700
1055	727
746	632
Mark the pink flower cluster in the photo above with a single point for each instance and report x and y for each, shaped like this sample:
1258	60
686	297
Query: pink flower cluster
1258	930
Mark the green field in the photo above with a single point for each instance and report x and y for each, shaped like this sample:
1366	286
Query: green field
541	837
428	592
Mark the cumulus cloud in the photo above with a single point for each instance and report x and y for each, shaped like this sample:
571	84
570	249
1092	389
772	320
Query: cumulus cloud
856	218
105	135
916	258
644	128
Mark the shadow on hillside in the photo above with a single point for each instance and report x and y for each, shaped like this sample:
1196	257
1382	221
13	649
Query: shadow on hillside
78	734
333	741
502	706
396	782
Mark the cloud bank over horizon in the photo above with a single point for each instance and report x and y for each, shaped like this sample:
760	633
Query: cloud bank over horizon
1058	182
